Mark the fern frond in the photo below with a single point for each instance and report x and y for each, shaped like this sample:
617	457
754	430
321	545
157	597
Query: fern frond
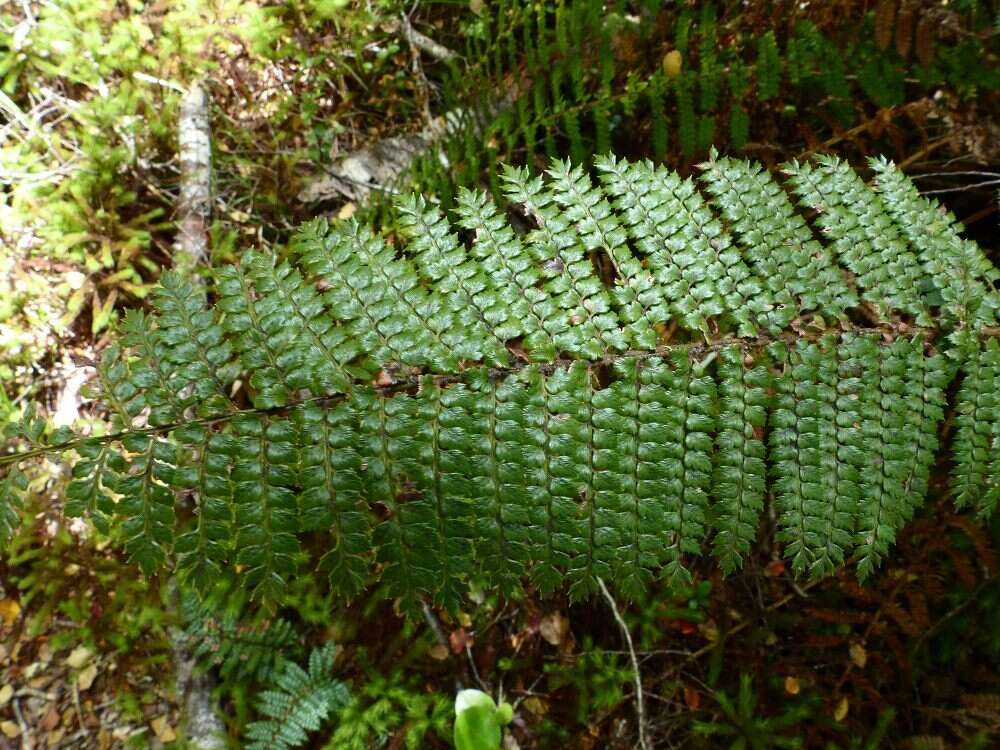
156	382
265	344
264	478
146	508
591	400
638	298
379	301
89	491
332	492
484	456
202	548
298	703
591	325
327	351
13	485
470	296
814	447
976	473
768	66
531	315
192	345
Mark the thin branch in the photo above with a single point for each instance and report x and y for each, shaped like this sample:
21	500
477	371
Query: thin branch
639	705
442	638
26	741
957	173
424	43
963	188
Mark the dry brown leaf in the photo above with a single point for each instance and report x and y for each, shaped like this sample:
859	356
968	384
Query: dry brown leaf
692	698
161	727
9	610
438	652
459	639
554	628
885	16
858	655
775	569
86	678
792	686
10	729
78	657
840	712
51	719
6	693
536	705
672	63
710	630
924	42
45	652
55	736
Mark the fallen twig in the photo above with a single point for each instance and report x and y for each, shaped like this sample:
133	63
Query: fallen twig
640	709
423	42
26	741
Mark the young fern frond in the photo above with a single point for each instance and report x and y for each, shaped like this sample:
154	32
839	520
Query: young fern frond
601	397
298	702
239	648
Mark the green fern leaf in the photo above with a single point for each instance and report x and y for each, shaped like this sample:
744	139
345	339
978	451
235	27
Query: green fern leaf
589	400
298	703
591	327
957	267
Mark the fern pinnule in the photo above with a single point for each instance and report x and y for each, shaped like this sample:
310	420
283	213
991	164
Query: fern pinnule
780	249
958	269
591	326
854	218
462	283
193	345
531	315
768	67
976	472
202	548
238	647
739	477
637	297
266	510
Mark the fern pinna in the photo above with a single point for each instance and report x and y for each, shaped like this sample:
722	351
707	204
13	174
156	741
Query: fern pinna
620	384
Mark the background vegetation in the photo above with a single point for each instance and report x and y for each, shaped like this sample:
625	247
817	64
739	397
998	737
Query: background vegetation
89	176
